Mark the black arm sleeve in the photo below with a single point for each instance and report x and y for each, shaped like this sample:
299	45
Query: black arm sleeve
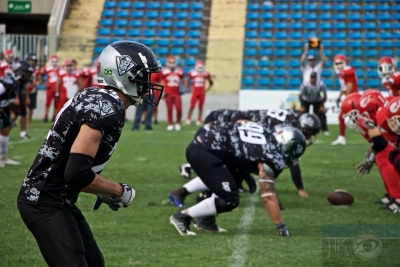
296	176
378	143
78	172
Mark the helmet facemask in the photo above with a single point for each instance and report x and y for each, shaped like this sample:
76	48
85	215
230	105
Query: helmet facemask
351	119
367	121
385	70
338	66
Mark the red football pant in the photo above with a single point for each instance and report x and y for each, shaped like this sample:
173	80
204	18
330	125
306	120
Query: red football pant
50	92
388	172
197	97
342	125
62	99
172	100
156	96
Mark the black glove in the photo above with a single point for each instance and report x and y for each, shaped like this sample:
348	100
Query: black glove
115	203
282	230
338	102
393	154
364	167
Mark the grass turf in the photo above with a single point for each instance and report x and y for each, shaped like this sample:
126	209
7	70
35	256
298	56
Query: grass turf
141	235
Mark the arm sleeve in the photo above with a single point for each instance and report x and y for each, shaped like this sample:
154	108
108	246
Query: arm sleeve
296	176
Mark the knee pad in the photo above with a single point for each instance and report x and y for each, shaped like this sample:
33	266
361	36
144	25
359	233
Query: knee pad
227	202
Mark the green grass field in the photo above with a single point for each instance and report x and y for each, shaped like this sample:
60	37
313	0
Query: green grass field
141	235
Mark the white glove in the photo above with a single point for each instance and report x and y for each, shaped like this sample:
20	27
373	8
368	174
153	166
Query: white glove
115	203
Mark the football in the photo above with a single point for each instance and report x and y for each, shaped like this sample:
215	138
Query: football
340	197
314	42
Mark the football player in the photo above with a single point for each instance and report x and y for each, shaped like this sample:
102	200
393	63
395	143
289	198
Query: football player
79	144
222	152
90	75
392	111
6	64
10	87
172	77
386	67
348	84
198	76
51	71
156	78
31	88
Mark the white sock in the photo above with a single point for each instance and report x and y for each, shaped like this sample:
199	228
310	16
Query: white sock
204	208
194	185
341	137
22	134
4	144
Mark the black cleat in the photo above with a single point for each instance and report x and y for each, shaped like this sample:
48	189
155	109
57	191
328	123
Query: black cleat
393	207
385	200
182	223
208	224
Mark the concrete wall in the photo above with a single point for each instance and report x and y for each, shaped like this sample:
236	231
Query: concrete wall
38	6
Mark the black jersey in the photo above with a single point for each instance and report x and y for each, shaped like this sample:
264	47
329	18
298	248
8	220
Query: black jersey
102	109
243	145
222	115
11	90
271	117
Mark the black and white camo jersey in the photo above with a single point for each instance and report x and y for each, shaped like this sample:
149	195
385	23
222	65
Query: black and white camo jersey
271	117
9	90
222	115
102	109
243	145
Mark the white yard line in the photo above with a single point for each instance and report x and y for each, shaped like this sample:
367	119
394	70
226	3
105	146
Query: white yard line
241	240
22	141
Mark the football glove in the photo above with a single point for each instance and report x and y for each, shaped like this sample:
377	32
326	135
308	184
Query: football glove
282	229
338	102
364	167
125	200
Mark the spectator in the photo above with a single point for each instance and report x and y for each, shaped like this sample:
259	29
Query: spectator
312	66
314	93
31	88
148	109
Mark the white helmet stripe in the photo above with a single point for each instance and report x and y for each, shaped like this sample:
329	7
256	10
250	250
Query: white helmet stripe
144	60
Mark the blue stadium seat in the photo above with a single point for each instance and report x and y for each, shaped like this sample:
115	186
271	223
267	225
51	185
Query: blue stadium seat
148	42
135	23
385	35
356	64
280	25
264	63
310	16
386	53
180	24
295	35
369	16
149	33
355	35
110	4
294	72
265	44
354	7
265	52
396	16
190	61
161	51
266	35
176	51
295	44
137	14
106	22
279	63
121	23
263	72
248	72
328	52
194	24
263	82
396	35
296	16
119	32
339	7
310	7
167	15
122	13
181	15
328	82
370	35
267	7
353	26
371	53
162	42
296	7
354	17
197	6
253	7
339	16
251	25
165	24
294	63
139	5
356	53
339	44
248	81
192	51
360	83
396	26
281	16
266	25
325	26
279	82
386	44
104	31
280	52
153	5
108	13
168	5
281	7
326	73
294	82
295	52
355	44
326	35
396	7
98	49
162	61
325	16
250	44
251	34
280	44
310	26
150	23
369	7
182	5
325	7
371	64
339	26
116	39
102	41
166	33
267	16
339	35
196	15
370	26
134	32
250	52
252	15
384	16
177	43
280	35
124	5
372	83
192	42
194	34
327	44
385	26
296	26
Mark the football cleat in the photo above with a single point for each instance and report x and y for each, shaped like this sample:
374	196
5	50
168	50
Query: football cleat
339	141
385	200
6	160
177	127
185	170
170	127
25	137
182	223
393	207
199	123
208	224
176	200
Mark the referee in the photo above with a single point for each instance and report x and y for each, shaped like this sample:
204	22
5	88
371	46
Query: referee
314	93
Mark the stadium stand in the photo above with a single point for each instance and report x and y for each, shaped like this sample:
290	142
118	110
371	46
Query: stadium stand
168	27
277	30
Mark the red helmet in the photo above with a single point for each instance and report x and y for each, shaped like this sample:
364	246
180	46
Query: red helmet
54	60
386	67
349	109
395	80
69	65
339	62
392	110
8	55
371	91
369	106
171	62
199	66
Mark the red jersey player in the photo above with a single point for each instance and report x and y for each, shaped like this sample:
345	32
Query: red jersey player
348	84
198	76
89	75
51	71
68	83
6	64
172	77
156	78
386	67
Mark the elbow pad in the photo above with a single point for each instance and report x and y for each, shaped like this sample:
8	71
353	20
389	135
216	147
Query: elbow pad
78	172
378	143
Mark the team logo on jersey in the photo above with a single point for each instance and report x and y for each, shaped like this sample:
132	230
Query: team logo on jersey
226	187
124	64
394	107
364	102
106	108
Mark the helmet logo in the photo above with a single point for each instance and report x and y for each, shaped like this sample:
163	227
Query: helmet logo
394	107
364	102
124	64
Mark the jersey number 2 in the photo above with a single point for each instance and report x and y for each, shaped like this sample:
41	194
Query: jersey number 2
252	133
